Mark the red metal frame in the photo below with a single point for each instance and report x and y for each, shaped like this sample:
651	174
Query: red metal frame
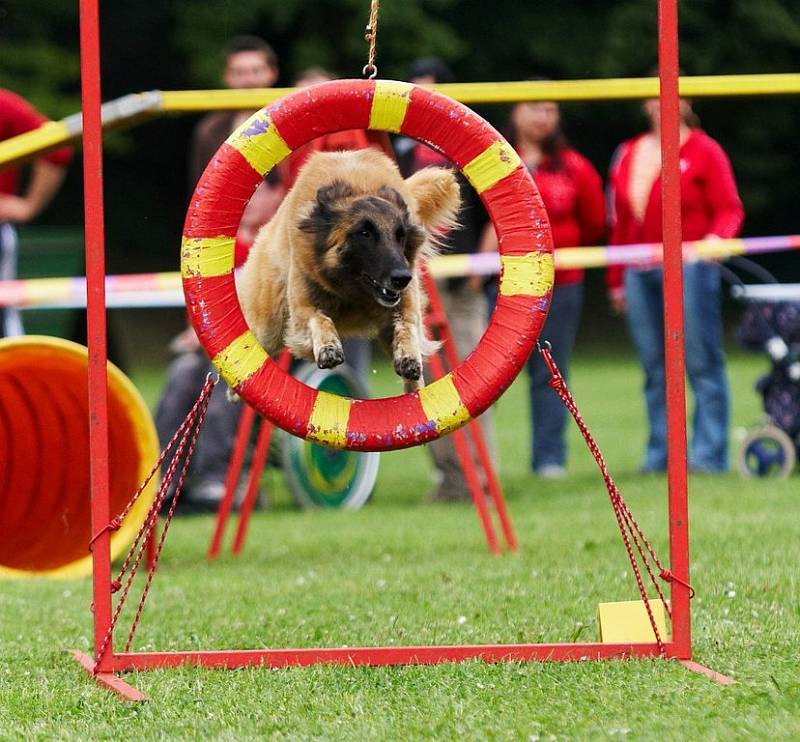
436	320
95	309
111	662
673	325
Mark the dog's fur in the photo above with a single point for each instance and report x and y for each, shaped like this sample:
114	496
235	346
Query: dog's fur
341	257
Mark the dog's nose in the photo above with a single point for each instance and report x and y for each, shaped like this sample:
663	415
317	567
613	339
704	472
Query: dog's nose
399	279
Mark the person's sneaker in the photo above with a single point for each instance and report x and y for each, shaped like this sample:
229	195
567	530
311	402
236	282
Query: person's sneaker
551	471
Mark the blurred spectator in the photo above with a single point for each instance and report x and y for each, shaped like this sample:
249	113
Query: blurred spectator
463	299
572	192
710	209
17	116
249	63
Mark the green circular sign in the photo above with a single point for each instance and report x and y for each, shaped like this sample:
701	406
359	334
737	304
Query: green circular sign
319	476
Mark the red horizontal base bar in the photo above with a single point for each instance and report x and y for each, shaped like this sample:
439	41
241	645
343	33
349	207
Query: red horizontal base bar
374	656
420	655
107	680
717	677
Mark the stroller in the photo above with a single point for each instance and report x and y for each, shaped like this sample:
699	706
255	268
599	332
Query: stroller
771	323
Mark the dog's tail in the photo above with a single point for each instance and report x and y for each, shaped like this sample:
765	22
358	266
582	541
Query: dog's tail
428	346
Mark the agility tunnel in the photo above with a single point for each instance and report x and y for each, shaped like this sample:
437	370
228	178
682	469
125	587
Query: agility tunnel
45	508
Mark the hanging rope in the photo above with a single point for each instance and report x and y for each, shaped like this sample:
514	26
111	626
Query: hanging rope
184	440
628	526
371	37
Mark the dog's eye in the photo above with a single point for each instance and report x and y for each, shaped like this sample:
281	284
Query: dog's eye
367	230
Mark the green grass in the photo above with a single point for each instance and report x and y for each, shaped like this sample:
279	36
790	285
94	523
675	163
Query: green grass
402	571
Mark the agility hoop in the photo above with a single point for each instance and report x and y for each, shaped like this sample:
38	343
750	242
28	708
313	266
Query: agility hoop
492	167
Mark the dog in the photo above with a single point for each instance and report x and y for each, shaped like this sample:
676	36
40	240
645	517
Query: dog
341	257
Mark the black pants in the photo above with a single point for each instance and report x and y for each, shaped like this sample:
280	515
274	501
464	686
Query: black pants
185	378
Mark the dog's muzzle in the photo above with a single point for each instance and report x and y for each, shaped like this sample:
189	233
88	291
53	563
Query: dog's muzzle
386	296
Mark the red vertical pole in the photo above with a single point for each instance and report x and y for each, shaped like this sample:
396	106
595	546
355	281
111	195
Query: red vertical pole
240	444
461	446
437	319
673	325
256	468
96	313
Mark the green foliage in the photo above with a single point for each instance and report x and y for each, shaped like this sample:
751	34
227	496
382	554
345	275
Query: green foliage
329	33
39	39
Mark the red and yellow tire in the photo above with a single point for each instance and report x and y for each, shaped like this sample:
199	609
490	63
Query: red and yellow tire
505	187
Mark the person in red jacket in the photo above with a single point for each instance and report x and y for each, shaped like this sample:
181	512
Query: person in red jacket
572	192
17	116
710	208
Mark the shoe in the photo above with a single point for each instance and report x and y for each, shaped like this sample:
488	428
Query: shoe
551	471
699	469
441	494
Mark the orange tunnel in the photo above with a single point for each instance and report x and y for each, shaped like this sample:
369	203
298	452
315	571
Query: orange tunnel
45	519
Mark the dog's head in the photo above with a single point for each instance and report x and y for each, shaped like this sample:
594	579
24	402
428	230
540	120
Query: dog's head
366	246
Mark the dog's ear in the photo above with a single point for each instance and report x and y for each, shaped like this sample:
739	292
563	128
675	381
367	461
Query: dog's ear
323	211
393	196
438	197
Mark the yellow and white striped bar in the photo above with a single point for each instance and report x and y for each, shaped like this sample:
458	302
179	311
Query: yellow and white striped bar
713	249
24	147
27	146
164	289
329	418
389	105
241	359
620	88
442	405
207	256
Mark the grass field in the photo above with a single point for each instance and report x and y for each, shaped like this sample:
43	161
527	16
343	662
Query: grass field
402	571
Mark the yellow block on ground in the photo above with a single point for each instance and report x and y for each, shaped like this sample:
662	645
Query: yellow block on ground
627	622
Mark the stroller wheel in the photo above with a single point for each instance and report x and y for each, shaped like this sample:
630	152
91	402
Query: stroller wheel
767	452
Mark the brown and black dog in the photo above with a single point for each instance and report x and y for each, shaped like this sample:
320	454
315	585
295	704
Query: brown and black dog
341	258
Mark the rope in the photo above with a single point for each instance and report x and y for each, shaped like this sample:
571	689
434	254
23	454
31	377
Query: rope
186	435
371	37
628	526
167	522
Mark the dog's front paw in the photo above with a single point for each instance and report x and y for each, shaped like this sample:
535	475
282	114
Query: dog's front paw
408	367
330	356
232	396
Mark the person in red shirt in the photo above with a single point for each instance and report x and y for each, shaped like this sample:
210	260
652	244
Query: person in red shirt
17	116
710	208
249	63
572	193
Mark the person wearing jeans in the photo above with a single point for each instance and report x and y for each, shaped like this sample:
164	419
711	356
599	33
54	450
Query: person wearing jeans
572	193
705	362
710	209
548	443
